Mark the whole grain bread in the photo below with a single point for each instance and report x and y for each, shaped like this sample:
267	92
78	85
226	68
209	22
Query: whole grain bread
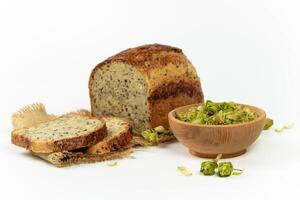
36	113
64	133
118	135
143	85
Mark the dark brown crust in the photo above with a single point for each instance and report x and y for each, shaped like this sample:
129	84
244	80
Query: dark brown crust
172	89
160	108
119	141
68	158
20	141
123	139
62	145
139	55
81	141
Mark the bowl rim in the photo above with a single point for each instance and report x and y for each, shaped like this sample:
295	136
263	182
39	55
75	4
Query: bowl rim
262	115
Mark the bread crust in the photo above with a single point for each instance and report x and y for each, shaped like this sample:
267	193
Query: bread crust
117	142
92	138
160	108
170	76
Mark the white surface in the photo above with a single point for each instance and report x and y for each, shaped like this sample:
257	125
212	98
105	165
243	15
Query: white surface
245	51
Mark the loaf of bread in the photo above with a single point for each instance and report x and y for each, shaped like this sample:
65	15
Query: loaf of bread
118	135
65	133
143	85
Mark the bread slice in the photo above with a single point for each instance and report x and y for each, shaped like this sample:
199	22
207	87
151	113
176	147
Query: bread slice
68	158
64	133
117	144
118	136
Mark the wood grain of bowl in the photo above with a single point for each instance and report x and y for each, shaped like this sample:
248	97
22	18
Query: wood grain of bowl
210	140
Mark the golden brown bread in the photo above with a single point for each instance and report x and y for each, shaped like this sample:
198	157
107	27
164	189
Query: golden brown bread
153	80
118	135
64	133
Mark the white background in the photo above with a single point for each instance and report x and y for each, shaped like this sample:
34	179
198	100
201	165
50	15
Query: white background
244	51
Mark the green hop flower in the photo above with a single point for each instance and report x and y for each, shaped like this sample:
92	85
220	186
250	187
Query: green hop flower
208	168
225	169
268	123
150	135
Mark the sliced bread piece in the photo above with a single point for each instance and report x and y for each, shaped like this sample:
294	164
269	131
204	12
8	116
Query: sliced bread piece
64	133
118	136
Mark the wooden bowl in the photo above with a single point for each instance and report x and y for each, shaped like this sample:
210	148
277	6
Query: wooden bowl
210	140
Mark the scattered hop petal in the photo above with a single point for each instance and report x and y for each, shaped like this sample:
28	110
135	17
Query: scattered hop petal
184	171
112	164
278	130
237	172
288	126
